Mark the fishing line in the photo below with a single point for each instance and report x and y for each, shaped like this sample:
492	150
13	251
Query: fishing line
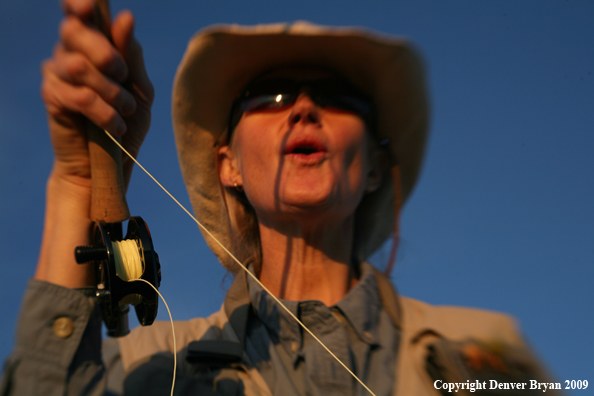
128	260
129	267
241	265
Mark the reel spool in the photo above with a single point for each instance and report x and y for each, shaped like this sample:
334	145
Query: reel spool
114	293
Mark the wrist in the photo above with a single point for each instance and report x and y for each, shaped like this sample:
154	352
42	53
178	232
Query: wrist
68	183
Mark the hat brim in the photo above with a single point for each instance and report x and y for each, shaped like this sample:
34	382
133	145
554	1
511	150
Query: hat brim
222	59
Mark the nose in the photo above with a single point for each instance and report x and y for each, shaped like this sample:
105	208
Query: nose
304	110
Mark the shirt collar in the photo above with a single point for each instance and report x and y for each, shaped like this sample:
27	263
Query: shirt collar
276	319
361	307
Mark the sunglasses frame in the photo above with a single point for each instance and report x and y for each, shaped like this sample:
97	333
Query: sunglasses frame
275	94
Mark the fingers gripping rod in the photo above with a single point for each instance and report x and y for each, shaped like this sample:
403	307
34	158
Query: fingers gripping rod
108	210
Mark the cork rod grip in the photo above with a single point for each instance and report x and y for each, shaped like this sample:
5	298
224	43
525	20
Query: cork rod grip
108	204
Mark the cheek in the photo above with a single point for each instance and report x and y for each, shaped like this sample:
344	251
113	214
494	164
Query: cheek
256	156
353	143
248	141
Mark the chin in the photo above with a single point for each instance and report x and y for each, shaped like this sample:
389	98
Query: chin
322	205
307	195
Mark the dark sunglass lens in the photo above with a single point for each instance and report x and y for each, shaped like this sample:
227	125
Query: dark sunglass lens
342	95
346	103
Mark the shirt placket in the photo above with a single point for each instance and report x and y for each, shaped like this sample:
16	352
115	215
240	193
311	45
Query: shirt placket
324	374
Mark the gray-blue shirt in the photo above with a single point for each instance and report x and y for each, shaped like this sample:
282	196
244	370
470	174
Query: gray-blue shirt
58	346
357	330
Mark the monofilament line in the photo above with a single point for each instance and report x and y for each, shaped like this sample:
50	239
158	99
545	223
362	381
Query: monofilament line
172	330
242	266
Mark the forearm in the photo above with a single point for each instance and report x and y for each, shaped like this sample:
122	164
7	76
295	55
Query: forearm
66	226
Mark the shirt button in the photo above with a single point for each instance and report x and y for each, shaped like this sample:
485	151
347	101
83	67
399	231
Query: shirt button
63	327
367	335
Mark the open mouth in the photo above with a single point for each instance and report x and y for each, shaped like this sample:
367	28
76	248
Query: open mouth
305	147
305	150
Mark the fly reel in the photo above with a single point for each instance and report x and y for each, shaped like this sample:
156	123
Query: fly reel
118	262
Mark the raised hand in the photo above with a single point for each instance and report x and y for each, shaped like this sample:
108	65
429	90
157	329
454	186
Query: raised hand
87	77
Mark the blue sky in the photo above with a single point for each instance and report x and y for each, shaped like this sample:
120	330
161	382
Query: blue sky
502	218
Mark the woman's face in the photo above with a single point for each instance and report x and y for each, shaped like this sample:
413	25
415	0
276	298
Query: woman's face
301	161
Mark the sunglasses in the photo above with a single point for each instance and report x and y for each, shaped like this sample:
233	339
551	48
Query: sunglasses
278	94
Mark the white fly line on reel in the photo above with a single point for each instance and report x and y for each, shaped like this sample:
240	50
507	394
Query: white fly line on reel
129	265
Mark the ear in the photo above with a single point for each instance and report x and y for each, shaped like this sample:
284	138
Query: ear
229	173
378	162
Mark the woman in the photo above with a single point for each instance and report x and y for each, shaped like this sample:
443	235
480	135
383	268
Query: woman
297	145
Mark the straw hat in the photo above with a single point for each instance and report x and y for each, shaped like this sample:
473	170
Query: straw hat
222	59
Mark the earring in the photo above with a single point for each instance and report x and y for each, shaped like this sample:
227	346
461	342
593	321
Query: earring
237	187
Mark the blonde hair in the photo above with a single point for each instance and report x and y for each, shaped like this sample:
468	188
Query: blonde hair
243	221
